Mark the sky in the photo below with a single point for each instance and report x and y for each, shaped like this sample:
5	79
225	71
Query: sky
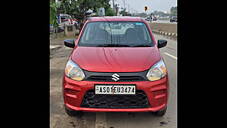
138	5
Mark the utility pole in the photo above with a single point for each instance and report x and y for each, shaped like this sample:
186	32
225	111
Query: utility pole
117	9
113	3
114	6
124	3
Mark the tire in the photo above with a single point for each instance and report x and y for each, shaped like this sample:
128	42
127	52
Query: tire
160	113
72	113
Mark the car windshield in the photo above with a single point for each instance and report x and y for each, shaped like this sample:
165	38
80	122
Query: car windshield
116	34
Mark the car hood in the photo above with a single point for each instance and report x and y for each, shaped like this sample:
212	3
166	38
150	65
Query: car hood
106	59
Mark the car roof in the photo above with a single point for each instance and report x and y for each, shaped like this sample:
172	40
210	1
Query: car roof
115	18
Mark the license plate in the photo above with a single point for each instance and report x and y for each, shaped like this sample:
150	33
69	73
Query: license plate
115	89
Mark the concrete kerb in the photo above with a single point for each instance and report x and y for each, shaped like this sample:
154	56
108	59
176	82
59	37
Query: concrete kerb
52	47
156	32
165	33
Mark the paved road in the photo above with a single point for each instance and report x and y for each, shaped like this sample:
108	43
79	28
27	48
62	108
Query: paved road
58	118
164	21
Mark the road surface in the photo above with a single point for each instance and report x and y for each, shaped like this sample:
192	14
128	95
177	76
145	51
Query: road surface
164	21
59	119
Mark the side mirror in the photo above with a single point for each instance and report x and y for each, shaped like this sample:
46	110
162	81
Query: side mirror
69	43
162	43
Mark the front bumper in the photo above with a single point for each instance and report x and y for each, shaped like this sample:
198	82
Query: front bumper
157	95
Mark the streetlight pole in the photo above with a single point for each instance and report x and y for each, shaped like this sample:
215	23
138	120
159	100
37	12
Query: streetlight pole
113	3
113	6
124	3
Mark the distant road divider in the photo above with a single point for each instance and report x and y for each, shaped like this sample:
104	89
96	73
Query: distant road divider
165	33
164	29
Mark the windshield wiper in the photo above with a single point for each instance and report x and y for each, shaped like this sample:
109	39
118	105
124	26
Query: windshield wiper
142	45
113	45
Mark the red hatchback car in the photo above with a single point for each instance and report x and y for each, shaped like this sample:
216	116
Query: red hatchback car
115	66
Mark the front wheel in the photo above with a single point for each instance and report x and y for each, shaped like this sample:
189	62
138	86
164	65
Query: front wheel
160	113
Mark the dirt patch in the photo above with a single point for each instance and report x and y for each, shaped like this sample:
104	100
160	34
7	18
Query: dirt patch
164	27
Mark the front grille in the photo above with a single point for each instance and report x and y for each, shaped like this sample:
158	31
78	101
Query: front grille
109	78
123	76
139	100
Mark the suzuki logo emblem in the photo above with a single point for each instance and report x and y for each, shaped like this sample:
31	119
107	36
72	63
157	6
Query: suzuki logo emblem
115	77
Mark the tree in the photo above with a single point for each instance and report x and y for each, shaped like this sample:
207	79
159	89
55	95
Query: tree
160	13
78	8
53	15
110	12
123	12
65	7
173	11
141	14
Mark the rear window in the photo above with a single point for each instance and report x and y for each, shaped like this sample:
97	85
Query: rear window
119	34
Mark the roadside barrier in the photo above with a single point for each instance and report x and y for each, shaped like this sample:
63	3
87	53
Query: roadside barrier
165	33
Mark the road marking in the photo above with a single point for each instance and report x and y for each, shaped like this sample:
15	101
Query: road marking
174	57
100	121
171	48
54	46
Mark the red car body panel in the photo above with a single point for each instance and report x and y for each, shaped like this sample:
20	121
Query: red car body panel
105	59
116	59
157	93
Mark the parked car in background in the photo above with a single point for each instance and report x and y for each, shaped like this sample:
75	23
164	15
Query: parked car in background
154	18
52	30
148	18
173	19
74	21
64	19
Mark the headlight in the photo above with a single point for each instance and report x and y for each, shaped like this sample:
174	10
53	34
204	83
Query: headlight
157	71
73	71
